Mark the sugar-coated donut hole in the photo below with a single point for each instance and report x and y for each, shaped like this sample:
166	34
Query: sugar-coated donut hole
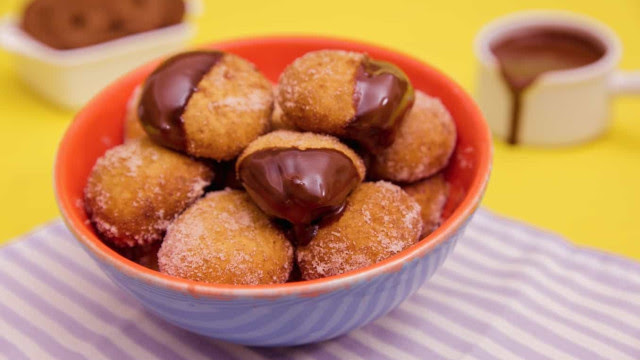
379	221
224	238
137	188
424	143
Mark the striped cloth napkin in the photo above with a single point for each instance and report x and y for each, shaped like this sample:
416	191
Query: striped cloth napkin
508	291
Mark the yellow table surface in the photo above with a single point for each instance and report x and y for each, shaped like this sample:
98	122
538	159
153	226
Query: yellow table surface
588	193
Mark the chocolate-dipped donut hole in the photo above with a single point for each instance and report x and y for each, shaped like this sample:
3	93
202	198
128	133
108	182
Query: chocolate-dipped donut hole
346	94
303	178
206	103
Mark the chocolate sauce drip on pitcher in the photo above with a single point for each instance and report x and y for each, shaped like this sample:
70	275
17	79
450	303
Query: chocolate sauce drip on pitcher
167	92
528	53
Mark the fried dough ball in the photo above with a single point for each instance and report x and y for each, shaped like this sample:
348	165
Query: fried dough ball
299	177
132	127
206	103
379	221
225	239
346	94
136	189
431	194
423	145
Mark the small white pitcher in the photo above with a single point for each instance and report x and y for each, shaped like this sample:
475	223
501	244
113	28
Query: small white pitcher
560	107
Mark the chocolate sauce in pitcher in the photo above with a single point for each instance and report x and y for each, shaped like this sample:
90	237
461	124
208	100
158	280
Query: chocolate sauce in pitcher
525	54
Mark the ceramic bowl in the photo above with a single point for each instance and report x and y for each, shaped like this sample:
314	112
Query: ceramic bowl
292	313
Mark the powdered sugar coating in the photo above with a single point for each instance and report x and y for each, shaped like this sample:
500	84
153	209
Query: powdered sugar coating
231	106
224	238
136	189
379	221
251	101
316	90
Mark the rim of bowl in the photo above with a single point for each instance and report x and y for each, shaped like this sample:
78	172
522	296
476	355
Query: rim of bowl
308	288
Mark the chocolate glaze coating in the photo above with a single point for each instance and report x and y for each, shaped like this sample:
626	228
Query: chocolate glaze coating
383	95
167	92
301	186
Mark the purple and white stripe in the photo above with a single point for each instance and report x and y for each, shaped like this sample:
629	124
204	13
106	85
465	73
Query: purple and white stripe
508	291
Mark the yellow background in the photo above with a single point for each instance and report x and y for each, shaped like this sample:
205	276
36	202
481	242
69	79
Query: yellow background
589	193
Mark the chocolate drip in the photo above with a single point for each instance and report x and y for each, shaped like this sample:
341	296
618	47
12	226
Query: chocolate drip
525	55
382	97
308	188
166	93
296	274
302	234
